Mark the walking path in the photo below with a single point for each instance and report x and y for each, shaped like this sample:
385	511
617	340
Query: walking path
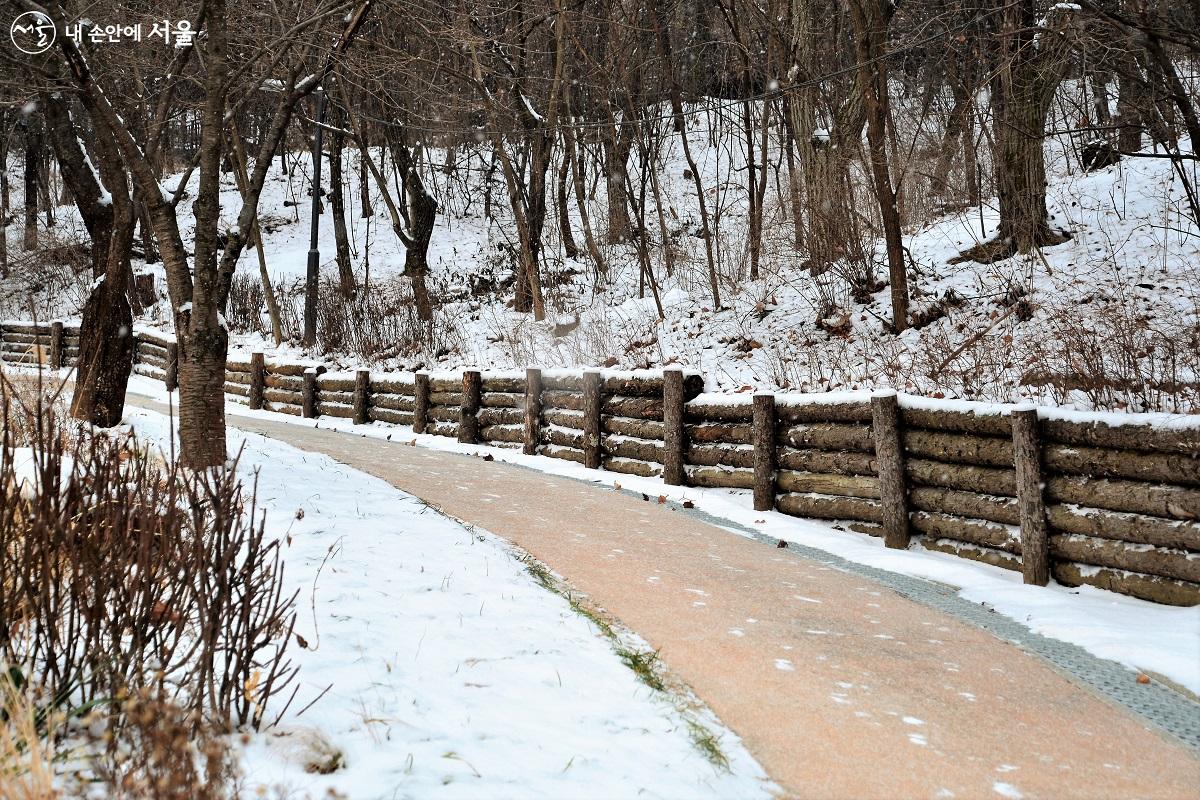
838	684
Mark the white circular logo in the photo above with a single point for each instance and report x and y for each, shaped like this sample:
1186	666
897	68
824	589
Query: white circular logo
33	32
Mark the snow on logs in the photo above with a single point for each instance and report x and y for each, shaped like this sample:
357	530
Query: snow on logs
1110	500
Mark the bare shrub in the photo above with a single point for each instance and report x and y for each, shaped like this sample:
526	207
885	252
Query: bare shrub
1121	356
120	573
52	281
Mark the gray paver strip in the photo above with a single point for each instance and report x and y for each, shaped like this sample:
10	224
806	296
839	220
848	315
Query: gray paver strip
838	683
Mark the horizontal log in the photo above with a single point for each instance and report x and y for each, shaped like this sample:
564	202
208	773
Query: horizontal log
824	483
233	376
572	401
237	388
283	408
331	409
975	552
27	338
564	419
293	370
624	426
992	508
145	358
327	383
626	447
404	386
1145	587
718	478
717	412
394	402
149	371
444	384
1177	564
1122	437
1159	500
22	327
563	437
797	413
714	455
493	383
969	449
567	453
283	396
819	506
629	466
449	399
290	382
378	414
502	400
986	480
718	433
443	429
1124	526
330	396
145	346
501	416
953	421
1105	463
841	463
973	531
831	436
633	407
443	414
502	433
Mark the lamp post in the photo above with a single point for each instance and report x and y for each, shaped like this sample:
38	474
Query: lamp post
314	254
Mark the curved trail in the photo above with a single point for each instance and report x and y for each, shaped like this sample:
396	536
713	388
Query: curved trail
838	685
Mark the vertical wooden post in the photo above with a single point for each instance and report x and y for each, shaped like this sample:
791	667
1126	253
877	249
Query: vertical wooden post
171	378
309	399
56	345
258	380
468	412
533	410
421	402
673	427
889	455
763	439
1035	555
362	396
593	382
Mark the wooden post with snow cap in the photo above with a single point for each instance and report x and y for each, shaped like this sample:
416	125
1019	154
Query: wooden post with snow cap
56	344
673	441
468	411
171	378
258	379
362	396
889	455
593	382
1027	458
763	439
309	398
420	402
533	410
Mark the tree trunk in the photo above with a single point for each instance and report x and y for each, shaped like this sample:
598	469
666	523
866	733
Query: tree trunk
560	198
33	157
1034	61
616	156
337	205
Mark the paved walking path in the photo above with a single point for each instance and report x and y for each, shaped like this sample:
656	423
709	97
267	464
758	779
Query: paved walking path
840	686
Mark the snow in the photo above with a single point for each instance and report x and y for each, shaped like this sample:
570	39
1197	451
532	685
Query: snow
446	670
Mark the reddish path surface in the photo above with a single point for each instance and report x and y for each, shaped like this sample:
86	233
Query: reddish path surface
839	686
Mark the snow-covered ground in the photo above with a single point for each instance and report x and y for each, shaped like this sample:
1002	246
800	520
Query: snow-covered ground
1136	633
436	666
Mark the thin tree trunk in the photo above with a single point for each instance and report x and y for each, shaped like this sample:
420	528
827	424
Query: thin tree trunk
33	157
337	205
560	200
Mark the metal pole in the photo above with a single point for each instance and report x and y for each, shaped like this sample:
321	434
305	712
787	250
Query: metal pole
314	254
